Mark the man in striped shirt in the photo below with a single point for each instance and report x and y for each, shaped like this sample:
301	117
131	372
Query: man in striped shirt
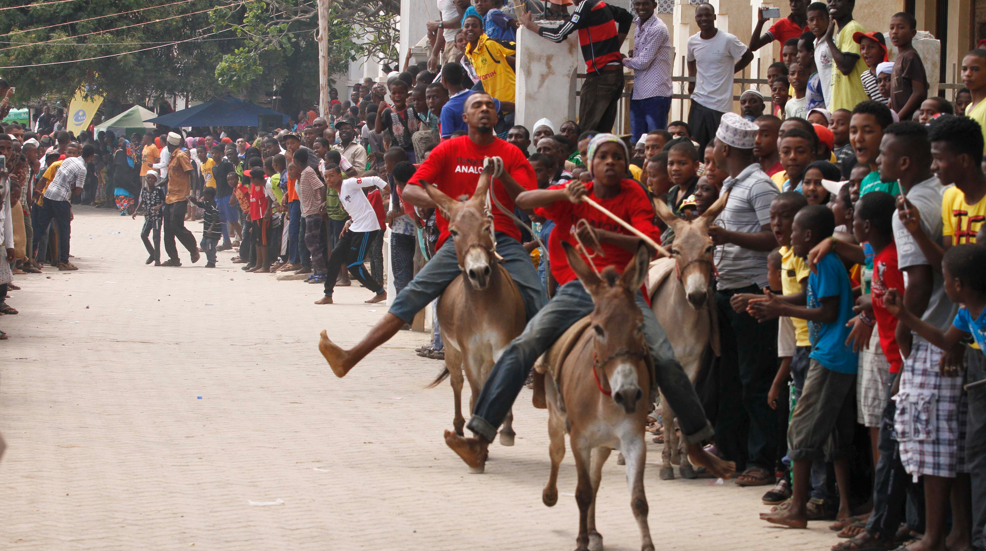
602	30
651	63
57	206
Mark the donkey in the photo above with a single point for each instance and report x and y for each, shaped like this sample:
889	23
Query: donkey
481	311
600	370
685	307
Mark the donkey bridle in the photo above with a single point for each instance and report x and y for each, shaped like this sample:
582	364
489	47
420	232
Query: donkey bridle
621	353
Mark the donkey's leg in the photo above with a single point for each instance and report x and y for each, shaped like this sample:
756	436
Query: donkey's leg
507	433
685	466
583	490
670	440
636	453
453	362
599	457
556	450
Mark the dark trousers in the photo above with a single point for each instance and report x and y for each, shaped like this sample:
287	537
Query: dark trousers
704	123
401	259
35	229
975	447
295	235
376	257
61	213
152	226
174	227
895	495
746	427
598	99
315	242
351	251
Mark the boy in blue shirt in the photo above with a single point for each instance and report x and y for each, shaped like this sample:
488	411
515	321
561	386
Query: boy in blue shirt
824	419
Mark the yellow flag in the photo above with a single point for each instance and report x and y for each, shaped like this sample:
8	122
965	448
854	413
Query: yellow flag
82	110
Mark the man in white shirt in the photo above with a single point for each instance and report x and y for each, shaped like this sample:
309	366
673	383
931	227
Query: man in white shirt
651	61
446	29
57	206
713	57
359	232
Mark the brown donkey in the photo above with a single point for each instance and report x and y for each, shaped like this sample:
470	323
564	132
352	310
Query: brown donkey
600	378
684	303
481	311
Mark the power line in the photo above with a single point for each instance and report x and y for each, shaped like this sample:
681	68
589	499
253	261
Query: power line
94	17
110	55
76	44
29	6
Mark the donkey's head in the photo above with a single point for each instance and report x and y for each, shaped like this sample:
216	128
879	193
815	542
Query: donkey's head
693	249
470	227
620	353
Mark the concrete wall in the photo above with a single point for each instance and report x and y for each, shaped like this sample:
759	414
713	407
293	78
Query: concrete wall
415	15
546	81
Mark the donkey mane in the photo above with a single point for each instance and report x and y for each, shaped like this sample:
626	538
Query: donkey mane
610	276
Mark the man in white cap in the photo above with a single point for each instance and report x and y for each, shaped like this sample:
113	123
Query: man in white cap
180	171
749	348
752	105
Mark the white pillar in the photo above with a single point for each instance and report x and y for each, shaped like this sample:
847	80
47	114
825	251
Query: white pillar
415	15
546	81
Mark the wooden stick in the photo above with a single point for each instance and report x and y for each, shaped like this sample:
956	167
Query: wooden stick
628	227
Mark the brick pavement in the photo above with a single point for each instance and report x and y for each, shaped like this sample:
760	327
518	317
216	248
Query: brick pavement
110	447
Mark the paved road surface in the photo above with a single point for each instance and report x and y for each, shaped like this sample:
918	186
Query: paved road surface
146	408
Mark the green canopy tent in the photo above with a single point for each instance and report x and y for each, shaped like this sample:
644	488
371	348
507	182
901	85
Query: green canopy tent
129	122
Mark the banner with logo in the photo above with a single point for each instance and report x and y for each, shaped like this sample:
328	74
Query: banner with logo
82	110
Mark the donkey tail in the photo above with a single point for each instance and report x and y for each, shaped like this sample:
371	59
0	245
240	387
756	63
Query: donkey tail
441	377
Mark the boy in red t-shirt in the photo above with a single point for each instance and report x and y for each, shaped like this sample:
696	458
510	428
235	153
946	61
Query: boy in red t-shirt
259	219
608	159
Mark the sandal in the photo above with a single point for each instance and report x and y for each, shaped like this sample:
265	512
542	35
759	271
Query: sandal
6	310
755	476
842	524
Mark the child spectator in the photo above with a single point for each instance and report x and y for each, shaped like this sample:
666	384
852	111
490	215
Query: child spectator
656	175
402	220
211	226
259	219
714	174
812	184
152	201
825	410
818	24
963	98
779	95
839	125
909	82
974	77
873	49
789	52
776	69
869	119
311	194
806	58
765	148
884	78
683	166
932	107
841	205
797	107
797	152
705	195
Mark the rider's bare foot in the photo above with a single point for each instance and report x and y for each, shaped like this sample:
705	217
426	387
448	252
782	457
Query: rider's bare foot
379	297
337	357
472	450
324	300
787	517
720	468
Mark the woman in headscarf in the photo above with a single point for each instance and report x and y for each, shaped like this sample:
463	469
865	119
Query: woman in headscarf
123	176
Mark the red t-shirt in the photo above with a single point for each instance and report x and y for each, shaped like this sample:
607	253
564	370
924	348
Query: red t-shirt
631	205
258	202
887	275
454	166
775	169
376	201
784	30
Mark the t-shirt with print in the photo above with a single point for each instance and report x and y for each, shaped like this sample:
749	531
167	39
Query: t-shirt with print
794	270
960	220
715	60
207	175
402	128
847	90
357	205
258	202
490	60
975	327
828	340
887	275
823	62
927	197
785	29
455	165
872	182
630	205
908	68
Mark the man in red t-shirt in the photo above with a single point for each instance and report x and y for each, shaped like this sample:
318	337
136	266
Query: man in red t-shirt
792	26
563	204
454	167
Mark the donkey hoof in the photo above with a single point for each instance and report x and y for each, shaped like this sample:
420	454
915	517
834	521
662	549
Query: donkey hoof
550	496
667	473
478	470
595	541
687	471
507	438
620	460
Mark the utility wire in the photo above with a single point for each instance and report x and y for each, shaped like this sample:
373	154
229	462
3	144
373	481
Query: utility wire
39	4
95	17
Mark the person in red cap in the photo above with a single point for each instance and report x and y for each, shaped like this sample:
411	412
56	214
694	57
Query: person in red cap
826	138
873	48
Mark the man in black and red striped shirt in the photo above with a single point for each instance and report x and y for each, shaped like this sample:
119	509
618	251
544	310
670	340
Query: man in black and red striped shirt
602	30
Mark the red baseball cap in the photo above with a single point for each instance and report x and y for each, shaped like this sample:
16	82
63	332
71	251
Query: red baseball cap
825	136
875	36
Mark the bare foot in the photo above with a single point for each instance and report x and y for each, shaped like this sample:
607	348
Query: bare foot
923	545
958	542
471	450
324	300
787	517
718	467
334	355
381	297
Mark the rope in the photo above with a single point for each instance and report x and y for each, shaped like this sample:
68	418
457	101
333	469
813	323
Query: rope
627	226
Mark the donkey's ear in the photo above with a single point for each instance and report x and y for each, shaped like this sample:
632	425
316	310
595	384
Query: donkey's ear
483	185
445	203
664	212
636	270
713	212
581	268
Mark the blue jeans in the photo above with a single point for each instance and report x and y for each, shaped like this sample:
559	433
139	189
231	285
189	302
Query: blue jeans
443	268
209	246
975	445
648	114
61	213
570	304
226	214
294	229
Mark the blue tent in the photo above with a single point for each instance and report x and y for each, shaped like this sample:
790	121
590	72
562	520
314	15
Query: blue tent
227	111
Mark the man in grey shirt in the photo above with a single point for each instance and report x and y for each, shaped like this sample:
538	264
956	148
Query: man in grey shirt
749	349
